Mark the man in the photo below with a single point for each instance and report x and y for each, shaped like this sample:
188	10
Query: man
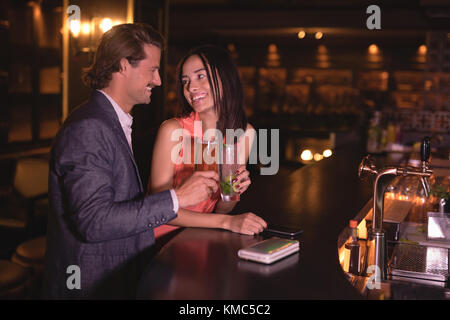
101	224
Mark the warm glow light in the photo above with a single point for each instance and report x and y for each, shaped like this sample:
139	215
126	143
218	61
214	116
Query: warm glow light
106	24
85	28
318	157
301	34
344	258
422	50
75	27
327	153
306	155
362	229
319	35
373	49
117	22
322	50
272	48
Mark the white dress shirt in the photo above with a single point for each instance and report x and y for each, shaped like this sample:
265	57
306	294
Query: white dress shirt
126	120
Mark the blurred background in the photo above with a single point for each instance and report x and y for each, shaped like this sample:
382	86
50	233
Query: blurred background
312	69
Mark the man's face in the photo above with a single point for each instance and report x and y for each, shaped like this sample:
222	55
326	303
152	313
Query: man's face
142	78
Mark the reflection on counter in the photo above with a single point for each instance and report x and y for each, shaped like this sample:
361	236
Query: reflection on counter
269	270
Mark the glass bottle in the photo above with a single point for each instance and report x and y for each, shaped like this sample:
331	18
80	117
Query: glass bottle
374	133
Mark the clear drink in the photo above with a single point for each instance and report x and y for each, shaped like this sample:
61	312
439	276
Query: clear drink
228	166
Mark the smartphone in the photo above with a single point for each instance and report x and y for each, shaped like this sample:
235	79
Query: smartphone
284	232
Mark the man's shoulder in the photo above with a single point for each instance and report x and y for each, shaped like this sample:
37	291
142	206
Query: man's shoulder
86	122
89	111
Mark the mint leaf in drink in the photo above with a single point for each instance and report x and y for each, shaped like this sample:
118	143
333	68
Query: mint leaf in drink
226	187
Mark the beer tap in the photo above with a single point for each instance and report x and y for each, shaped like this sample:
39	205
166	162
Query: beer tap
377	249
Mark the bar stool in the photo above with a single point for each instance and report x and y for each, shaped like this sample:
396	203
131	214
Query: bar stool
31	255
14	280
29	190
31	182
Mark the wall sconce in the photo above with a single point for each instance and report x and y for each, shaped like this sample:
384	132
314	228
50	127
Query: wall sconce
373	49
272	57
86	28
106	24
75	27
374	57
322	57
86	34
81	35
421	54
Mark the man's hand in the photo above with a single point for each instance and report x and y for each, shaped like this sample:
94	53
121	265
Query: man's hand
197	188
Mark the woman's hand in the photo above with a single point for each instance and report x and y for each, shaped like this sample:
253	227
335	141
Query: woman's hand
242	179
246	223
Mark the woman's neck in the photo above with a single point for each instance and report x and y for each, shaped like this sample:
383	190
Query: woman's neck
209	120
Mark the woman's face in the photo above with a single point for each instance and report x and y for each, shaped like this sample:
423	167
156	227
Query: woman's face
196	88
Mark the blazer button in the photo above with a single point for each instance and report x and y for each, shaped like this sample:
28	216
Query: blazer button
163	219
157	222
150	225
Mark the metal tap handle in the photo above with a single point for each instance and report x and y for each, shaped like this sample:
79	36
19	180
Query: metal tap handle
425	149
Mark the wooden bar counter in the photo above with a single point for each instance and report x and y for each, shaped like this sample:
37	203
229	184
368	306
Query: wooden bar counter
319	198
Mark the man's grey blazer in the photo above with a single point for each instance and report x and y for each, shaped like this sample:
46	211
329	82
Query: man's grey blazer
100	222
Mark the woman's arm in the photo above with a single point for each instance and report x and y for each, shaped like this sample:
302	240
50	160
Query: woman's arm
246	223
162	179
162	170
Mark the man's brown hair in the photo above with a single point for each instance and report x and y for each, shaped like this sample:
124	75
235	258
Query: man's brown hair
121	41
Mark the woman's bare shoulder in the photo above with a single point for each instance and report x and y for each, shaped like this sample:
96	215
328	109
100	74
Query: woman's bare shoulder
171	123
168	126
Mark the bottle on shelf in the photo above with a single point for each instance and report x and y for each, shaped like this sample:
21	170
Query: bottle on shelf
374	133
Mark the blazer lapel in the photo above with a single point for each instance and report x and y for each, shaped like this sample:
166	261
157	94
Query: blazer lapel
104	103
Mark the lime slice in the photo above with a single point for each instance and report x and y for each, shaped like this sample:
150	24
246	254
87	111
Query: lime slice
230	178
228	187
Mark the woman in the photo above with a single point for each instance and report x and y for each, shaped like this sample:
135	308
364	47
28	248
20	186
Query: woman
210	91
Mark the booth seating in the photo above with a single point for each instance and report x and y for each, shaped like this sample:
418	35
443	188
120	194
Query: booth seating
14	280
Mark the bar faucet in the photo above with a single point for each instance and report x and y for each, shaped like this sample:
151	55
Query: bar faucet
377	242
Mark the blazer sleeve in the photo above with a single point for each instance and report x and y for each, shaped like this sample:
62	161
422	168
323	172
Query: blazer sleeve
83	161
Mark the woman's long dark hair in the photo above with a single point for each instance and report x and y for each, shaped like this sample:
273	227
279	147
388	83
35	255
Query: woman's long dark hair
222	73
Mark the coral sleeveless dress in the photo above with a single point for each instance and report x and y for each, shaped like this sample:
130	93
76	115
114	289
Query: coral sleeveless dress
182	171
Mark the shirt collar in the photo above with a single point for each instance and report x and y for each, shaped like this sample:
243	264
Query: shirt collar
125	119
